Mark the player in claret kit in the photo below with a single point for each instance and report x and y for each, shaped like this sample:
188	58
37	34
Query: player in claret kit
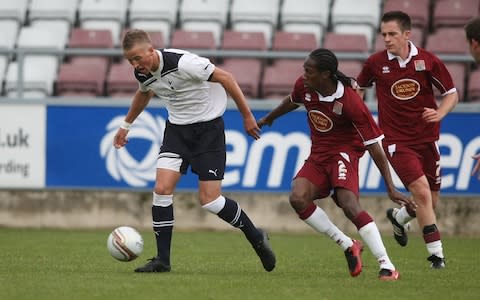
341	128
472	32
404	76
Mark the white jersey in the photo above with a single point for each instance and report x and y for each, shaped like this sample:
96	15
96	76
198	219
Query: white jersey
181	81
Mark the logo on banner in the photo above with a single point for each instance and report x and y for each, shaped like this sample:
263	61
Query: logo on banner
120	164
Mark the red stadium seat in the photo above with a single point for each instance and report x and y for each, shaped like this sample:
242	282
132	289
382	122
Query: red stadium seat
344	42
454	12
82	76
445	40
183	39
473	90
294	41
243	40
280	77
90	38
247	72
418	10
121	80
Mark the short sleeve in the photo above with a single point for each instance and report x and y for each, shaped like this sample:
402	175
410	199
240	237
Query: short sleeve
296	96
199	68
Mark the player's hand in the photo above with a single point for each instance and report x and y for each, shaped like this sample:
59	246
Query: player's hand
251	127
402	200
476	169
263	121
431	115
120	138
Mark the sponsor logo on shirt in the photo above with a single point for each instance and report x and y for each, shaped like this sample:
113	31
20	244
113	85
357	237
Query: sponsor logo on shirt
320	121
405	89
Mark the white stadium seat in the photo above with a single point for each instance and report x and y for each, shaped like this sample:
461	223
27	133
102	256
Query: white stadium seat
14	9
254	15
53	9
154	15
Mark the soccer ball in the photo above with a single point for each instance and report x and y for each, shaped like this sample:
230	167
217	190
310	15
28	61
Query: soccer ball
125	243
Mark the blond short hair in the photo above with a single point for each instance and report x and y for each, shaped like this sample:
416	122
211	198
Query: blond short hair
135	36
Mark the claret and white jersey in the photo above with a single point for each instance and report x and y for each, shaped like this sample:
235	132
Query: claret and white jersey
404	88
181	81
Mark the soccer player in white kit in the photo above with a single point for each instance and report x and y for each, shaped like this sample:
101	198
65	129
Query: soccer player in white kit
194	136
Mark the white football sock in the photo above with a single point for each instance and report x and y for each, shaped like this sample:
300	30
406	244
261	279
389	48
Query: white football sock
372	238
435	248
402	216
319	221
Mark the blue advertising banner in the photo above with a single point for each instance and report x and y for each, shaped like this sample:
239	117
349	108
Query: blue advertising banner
80	153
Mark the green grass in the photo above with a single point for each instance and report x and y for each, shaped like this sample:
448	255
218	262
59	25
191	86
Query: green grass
57	264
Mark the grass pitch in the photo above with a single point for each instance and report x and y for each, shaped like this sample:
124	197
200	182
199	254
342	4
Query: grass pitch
58	264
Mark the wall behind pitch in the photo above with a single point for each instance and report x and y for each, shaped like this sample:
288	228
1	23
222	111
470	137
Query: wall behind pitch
62	146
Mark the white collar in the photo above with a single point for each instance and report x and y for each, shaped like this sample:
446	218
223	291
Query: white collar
160	64
338	94
401	62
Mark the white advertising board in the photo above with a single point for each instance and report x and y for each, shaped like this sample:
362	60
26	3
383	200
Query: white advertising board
22	146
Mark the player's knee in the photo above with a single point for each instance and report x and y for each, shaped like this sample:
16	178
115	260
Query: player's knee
299	201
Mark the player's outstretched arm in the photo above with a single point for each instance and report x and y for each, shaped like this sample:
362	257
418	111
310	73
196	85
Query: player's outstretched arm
230	85
139	102
284	107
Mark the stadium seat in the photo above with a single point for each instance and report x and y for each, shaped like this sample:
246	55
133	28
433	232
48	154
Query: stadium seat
15	10
121	81
53	10
3	69
201	15
416	36
279	78
356	17
39	73
247	72
305	16
82	76
350	68
254	15
193	40
243	40
473	91
59	30
447	40
10	29
154	15
458	73
454	12
156	36
294	41
418	10
105	14
343	42
85	38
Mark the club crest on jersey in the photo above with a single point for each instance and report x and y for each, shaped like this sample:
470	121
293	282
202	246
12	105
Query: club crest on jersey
337	107
320	121
405	89
385	69
419	65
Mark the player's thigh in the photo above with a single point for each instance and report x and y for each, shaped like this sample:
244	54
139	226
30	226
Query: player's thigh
406	162
311	182
209	190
